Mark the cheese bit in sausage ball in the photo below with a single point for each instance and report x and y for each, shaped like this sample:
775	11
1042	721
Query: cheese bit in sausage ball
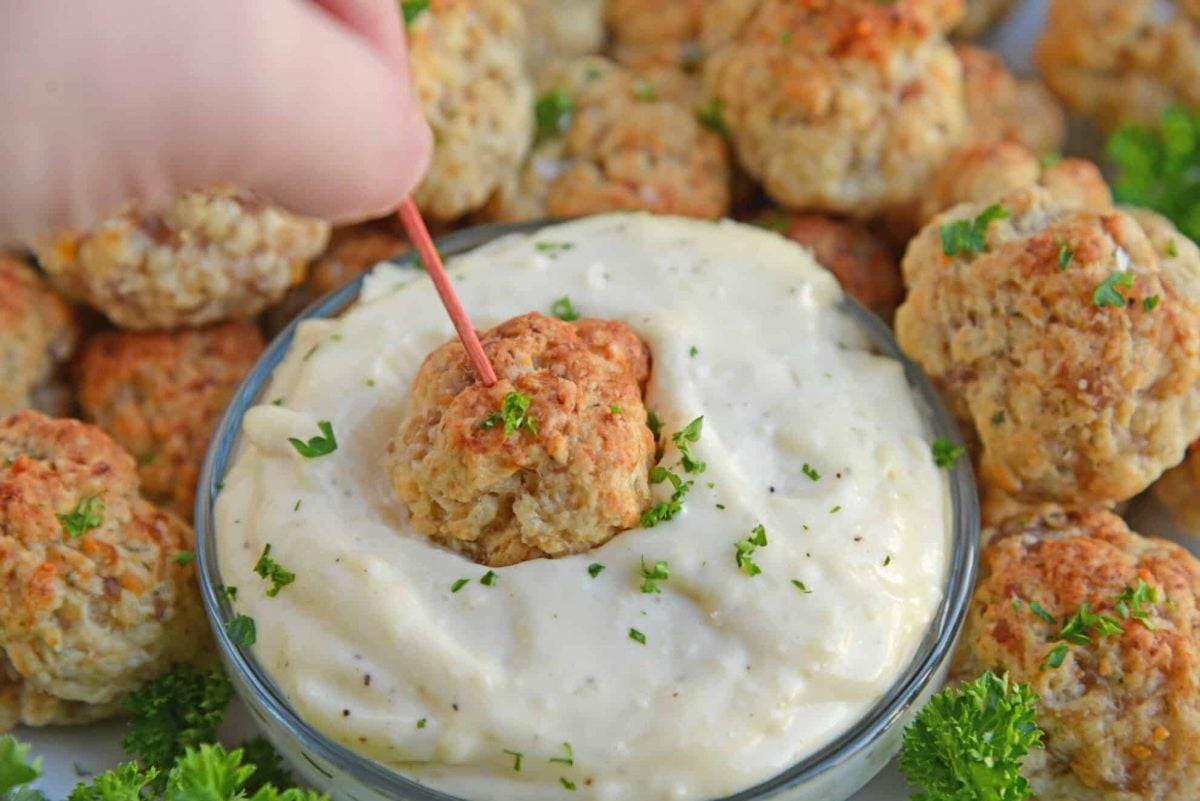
614	139
1119	60
981	16
160	395
37	334
1179	491
99	593
985	171
1069	341
655	31
564	29
553	459
844	106
210	255
1104	625
858	258
1004	108
468	60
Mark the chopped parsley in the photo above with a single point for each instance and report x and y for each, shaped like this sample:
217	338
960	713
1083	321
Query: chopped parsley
1106	293
1041	612
1056	657
1065	255
744	550
412	9
835	509
569	759
553	112
652	575
810	471
268	568
316	446
689	434
551	247
666	510
967	236
513	414
517	757
241	631
614	408
421	723
1150	303
946	453
800	585
185	558
228	593
1172	248
693	351
887	560
458	585
567	783
637	636
595	569
489	579
1132	601
655	426
712	116
86	515
564	309
1079	629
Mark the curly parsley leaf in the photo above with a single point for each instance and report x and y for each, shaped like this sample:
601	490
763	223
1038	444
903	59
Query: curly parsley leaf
968	236
968	743
946	453
316	446
16	770
268	568
268	766
178	710
514	414
683	439
1106	293
126	782
1159	167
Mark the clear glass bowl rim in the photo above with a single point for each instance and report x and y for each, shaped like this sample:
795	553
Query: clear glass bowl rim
935	649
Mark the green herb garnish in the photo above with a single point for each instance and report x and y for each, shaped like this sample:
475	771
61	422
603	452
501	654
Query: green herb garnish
459	584
553	112
666	510
800	585
569	759
412	9
85	516
1065	254
637	636
1159	167
513	414
269	569
1150	303
946	453
595	569
810	471
517	757
689	434
241	631
652	575
185	558
489	579
1107	295
712	116
317	446
1132	602
564	310
744	550
967	236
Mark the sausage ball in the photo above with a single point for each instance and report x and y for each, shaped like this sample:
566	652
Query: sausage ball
845	106
613	139
1120	703
1002	107
564	29
655	31
208	256
469	70
552	460
160	395
37	334
982	172
981	16
1118	60
1179	491
859	259
99	593
1068	341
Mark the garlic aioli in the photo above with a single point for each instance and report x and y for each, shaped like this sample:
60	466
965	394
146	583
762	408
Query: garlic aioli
805	432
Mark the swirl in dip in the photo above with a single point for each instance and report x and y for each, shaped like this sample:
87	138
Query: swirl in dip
806	433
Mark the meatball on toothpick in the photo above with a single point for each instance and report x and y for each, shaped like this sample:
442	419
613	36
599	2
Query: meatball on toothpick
844	106
1104	626
553	459
1066	341
99	594
210	255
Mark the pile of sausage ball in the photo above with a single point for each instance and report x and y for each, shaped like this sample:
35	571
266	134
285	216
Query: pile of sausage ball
1062	330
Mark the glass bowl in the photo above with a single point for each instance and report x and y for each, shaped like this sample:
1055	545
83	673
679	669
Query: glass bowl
833	773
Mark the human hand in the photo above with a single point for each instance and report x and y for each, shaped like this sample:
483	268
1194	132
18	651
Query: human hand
106	101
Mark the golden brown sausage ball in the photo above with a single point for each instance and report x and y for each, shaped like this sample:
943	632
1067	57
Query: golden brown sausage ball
211	255
655	31
1004	108
98	593
1116	60
1069	341
614	139
844	106
573	473
1179	491
982	172
857	257
160	395
981	16
469	69
564	29
1120	706
37	334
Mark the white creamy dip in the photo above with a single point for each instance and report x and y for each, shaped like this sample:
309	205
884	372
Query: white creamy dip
739	676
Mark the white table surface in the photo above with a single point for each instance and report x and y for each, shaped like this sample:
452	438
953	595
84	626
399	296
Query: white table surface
70	755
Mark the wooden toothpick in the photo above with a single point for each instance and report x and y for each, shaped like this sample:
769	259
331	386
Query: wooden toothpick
423	242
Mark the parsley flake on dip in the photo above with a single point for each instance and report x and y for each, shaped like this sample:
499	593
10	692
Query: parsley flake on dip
776	598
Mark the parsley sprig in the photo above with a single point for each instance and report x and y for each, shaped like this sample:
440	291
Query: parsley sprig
946	453
86	515
271	570
514	414
564	309
1159	167
553	112
1132	602
744	550
683	439
1106	293
968	743
665	510
651	575
968	236
316	446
